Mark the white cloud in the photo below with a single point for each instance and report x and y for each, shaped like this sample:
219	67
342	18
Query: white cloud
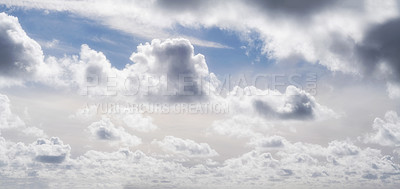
162	71
139	122
169	71
186	147
21	56
20	155
105	130
387	130
269	143
7	118
299	165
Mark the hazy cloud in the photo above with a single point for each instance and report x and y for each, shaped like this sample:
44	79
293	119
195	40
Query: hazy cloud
105	130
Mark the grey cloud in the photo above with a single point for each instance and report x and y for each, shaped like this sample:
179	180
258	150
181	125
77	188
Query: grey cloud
301	106
381	43
296	8
51	159
182	5
297	105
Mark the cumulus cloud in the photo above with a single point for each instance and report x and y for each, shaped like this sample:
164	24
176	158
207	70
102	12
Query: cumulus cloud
293	104
21	56
7	118
273	142
51	151
105	130
298	164
90	73
387	130
171	71
162	71
186	147
253	111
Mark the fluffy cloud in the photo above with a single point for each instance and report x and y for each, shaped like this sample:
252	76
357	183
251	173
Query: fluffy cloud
170	71
7	118
51	151
273	142
162	71
387	130
20	55
90	73
186	147
253	111
105	130
298	164
293	104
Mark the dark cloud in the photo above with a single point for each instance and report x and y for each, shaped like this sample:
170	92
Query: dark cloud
51	159
297	8
182	5
381	44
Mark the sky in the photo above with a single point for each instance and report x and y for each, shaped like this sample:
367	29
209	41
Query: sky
199	94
